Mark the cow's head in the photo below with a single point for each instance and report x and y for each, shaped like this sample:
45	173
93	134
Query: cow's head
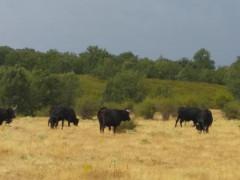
51	122
76	121
126	115
11	114
199	126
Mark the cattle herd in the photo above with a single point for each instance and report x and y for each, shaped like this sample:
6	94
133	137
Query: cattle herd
111	118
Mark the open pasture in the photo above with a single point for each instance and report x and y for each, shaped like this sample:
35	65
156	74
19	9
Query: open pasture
156	150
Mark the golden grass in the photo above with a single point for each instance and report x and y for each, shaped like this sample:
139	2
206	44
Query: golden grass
157	150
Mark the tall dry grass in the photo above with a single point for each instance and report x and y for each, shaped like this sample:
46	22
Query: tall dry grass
156	150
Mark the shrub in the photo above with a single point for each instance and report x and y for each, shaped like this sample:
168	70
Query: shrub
88	107
15	89
222	99
167	107
146	108
232	110
42	112
127	85
127	125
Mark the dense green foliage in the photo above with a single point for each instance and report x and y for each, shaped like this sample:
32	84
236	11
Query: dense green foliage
98	62
35	80
125	86
232	110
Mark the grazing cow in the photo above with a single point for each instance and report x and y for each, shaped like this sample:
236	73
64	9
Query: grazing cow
61	113
111	118
204	120
187	114
7	115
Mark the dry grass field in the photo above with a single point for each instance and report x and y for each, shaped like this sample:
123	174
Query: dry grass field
156	150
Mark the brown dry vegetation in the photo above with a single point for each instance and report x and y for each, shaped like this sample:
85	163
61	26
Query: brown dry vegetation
156	150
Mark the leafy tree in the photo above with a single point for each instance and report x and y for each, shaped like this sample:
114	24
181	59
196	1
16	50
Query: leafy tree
183	62
127	60
202	59
166	69
15	89
107	69
233	78
146	67
46	89
127	85
4	51
49	89
188	73
92	57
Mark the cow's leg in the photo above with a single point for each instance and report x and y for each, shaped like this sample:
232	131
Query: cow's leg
101	128
68	123
177	121
56	124
194	123
181	122
62	123
206	129
109	128
114	129
51	123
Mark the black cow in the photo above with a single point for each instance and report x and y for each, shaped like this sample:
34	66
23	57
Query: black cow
187	114
111	118
61	113
7	115
204	120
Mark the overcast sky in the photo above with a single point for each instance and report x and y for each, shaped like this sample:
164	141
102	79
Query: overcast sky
148	28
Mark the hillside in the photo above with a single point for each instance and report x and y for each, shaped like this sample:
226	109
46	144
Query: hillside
156	150
190	93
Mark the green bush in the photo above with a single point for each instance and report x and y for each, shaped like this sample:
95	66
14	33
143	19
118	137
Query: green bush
15	89
127	85
43	111
167	107
221	99
127	125
232	110
146	109
88	107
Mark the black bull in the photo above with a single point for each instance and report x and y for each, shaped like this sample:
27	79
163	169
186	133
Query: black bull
7	115
111	118
202	118
61	113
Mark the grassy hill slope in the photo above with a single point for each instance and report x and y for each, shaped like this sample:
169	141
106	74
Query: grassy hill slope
180	92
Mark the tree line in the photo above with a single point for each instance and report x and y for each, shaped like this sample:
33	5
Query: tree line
99	62
35	80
